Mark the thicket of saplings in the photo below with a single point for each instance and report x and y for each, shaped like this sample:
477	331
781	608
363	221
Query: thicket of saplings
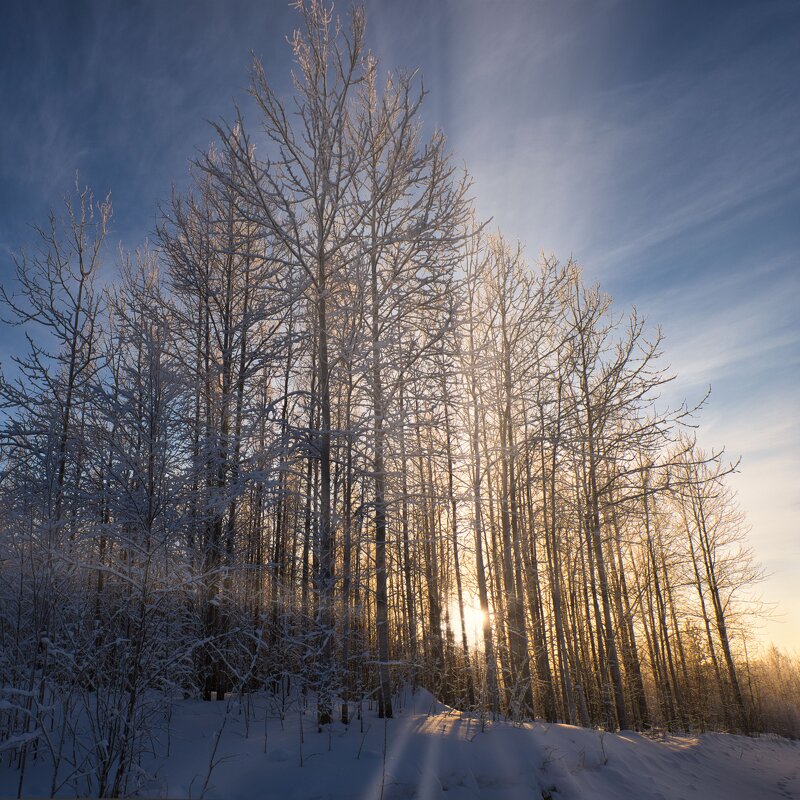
291	447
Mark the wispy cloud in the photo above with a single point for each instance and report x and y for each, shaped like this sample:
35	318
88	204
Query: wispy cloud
620	166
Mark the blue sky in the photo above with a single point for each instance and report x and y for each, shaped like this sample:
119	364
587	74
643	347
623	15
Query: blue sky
657	143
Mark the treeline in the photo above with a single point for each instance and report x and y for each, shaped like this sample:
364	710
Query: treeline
291	446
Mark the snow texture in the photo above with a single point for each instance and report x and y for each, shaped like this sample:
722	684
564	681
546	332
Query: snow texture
431	751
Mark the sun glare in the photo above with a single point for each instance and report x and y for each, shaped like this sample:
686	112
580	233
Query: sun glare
473	620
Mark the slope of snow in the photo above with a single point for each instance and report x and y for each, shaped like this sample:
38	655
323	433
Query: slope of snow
429	751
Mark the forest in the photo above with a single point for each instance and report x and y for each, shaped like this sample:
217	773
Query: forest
330	435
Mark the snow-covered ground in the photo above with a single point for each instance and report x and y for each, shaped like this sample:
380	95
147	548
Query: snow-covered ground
218	750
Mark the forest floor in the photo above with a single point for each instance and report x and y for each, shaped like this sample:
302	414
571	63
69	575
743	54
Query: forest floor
220	751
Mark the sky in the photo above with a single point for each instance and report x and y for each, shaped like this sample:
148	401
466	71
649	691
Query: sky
657	144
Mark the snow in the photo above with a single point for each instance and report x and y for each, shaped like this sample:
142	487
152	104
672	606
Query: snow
217	750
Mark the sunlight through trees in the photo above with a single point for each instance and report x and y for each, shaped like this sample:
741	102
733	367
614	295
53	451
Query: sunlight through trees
333	435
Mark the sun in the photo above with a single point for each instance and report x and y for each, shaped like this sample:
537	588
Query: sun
473	619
